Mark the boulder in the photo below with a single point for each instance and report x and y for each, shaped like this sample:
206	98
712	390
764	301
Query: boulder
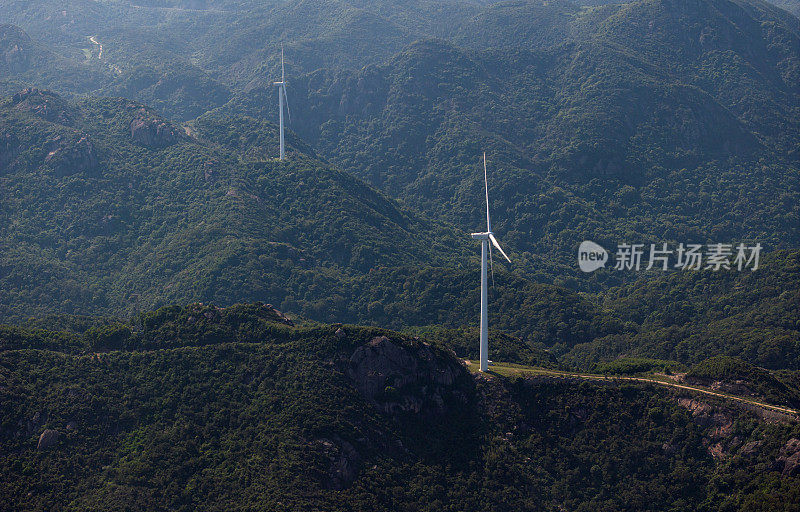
48	439
343	462
788	461
405	378
44	104
750	449
151	131
70	158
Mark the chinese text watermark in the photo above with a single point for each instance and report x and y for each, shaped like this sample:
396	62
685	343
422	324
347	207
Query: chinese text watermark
719	256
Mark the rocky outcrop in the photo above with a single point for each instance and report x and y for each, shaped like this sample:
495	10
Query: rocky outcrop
44	104
48	439
718	424
15	47
68	158
750	449
343	462
151	131
216	314
788	461
278	315
406	378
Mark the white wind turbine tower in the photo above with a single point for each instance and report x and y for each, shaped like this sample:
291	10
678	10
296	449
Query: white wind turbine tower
485	238
281	97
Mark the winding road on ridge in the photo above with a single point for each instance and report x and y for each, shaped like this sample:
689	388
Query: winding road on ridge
505	369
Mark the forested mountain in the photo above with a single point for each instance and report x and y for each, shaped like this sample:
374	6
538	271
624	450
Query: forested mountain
108	208
25	61
645	122
649	121
691	316
240	411
138	174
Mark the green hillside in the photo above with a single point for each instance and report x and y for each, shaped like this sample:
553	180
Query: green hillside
333	297
240	411
690	316
109	208
26	61
598	126
616	132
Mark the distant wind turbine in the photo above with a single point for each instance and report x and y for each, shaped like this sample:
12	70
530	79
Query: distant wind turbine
281	97
485	238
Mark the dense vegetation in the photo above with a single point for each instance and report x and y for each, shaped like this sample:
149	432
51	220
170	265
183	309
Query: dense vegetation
148	179
645	121
777	387
116	211
690	316
241	411
618	133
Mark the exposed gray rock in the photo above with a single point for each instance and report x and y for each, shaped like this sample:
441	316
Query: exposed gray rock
405	378
718	425
48	439
788	461
151	131
343	460
70	158
278	315
44	104
340	334
750	449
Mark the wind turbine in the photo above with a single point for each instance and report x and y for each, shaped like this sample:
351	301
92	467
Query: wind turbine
485	239
281	97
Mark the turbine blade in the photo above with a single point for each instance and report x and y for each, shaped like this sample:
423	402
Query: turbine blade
496	244
491	264
286	100
486	184
283	74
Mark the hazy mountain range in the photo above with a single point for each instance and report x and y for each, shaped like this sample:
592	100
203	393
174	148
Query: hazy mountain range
138	171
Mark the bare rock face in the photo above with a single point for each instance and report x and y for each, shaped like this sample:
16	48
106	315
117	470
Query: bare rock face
44	104
151	131
278	314
718	425
343	462
788	461
48	439
68	158
15	47
405	378
750	449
